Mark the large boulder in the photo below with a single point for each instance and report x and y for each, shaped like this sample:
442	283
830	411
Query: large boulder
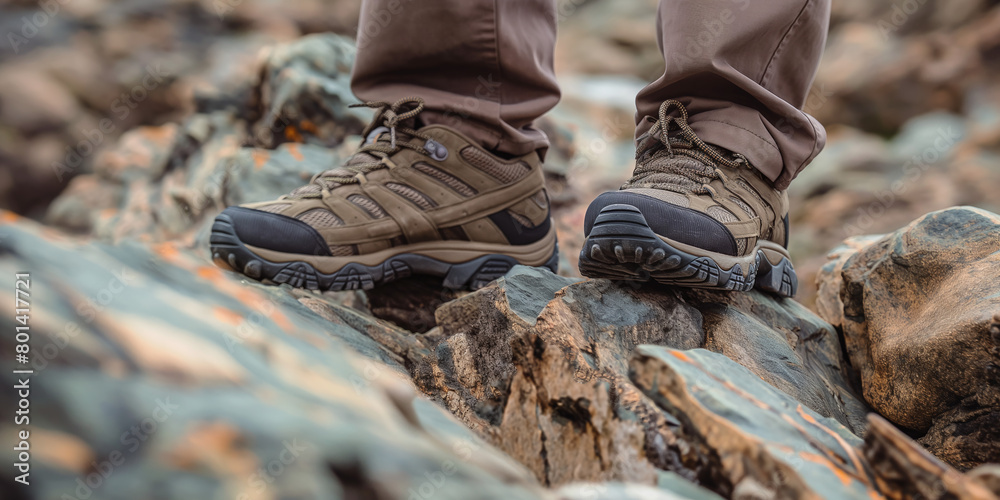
920	316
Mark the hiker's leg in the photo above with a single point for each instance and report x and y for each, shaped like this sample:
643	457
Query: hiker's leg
482	67
744	72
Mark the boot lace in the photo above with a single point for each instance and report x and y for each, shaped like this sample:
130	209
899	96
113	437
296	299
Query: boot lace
384	136
656	165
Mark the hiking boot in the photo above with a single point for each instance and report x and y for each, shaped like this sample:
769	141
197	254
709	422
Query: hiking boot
692	215
411	200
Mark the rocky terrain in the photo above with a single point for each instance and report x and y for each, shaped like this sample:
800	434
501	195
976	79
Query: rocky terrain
159	375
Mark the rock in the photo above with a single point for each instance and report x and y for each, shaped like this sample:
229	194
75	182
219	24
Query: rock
33	102
862	184
906	71
88	202
90	60
918	317
536	386
724	407
338	381
632	491
172	180
906	470
608	38
785	345
178	381
544	353
304	93
410	302
829	281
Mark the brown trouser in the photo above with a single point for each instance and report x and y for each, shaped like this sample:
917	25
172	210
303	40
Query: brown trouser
485	67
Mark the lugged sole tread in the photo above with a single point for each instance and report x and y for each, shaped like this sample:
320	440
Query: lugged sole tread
622	246
229	251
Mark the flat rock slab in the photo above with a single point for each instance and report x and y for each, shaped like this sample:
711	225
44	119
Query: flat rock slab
797	453
158	376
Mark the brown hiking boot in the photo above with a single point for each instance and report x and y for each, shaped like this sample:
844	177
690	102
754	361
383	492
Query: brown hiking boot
411	200
692	215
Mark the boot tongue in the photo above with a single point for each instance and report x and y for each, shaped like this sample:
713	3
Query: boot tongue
647	144
382	135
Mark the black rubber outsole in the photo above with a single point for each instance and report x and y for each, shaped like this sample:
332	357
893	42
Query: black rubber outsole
621	246
227	249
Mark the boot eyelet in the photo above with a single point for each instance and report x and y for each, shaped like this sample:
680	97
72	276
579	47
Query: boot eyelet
375	133
436	150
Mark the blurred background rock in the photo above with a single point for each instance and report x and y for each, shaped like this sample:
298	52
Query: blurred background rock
907	90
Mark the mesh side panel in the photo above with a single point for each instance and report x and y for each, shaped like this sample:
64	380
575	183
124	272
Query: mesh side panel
756	194
504	172
368	204
416	197
522	220
274	208
746	185
342	250
320	218
445	178
722	215
454	233
746	208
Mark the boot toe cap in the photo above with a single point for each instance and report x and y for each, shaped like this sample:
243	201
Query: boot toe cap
271	231
677	223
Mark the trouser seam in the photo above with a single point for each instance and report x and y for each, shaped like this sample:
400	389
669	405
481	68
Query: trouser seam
496	57
782	42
